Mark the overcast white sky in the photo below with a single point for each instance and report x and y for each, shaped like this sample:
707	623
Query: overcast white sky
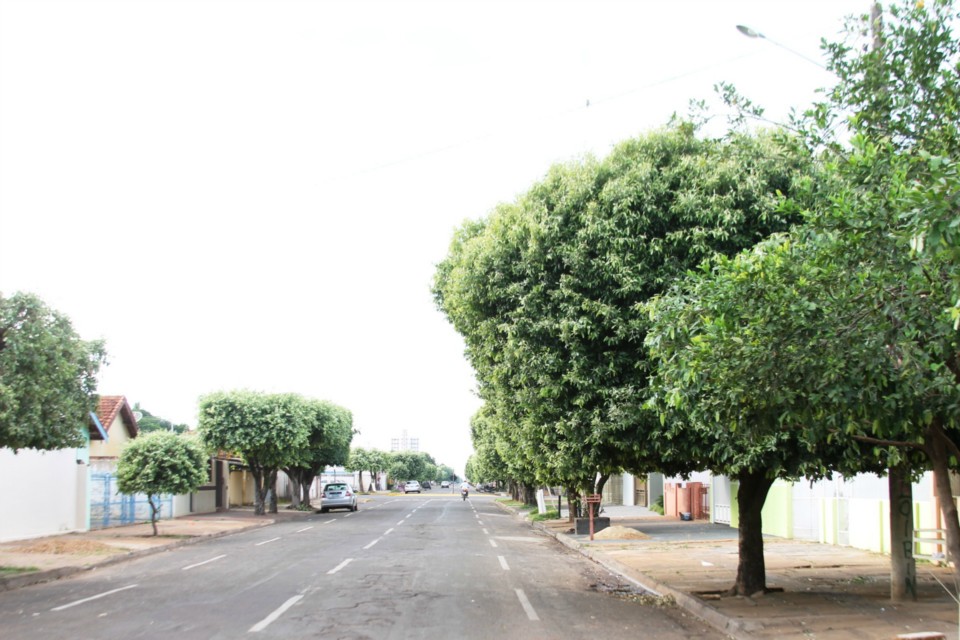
254	194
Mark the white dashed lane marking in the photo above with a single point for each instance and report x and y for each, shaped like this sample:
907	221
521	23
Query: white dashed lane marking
266	541
531	614
340	566
200	564
96	597
263	624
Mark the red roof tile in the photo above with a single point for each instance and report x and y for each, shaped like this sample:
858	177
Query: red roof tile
110	406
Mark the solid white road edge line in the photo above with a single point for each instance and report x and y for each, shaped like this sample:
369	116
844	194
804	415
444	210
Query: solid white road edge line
263	624
200	564
340	566
526	605
101	595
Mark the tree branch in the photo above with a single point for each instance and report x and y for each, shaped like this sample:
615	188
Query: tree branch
888	443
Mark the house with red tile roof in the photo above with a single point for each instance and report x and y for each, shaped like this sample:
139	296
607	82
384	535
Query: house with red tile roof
120	425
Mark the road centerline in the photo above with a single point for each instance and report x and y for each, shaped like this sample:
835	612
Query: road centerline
340	566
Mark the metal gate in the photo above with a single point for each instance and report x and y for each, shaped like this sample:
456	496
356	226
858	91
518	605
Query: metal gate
110	508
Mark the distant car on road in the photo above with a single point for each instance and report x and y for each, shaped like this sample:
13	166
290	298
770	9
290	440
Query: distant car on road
338	495
445	484
426	485
412	486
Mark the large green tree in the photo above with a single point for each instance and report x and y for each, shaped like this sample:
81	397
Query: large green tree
840	337
161	463
762	372
47	376
369	460
546	290
898	95
269	431
330	432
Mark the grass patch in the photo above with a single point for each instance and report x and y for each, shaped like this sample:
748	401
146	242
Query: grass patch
15	571
551	514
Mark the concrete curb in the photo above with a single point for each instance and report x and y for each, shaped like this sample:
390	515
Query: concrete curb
48	575
736	628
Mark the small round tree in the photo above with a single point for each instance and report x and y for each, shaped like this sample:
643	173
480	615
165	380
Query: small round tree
161	463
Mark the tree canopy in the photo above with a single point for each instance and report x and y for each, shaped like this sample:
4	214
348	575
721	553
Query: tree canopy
546	290
831	348
269	431
47	376
161	463
411	465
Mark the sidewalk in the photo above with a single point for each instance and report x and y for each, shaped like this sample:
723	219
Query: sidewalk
54	557
828	591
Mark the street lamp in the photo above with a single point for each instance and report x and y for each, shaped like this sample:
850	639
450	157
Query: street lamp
753	33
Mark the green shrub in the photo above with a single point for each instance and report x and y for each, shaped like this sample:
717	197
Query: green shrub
657	507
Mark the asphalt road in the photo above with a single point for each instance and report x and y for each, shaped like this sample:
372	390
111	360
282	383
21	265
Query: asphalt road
428	566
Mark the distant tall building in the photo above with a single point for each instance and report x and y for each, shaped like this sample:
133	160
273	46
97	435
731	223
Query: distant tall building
405	443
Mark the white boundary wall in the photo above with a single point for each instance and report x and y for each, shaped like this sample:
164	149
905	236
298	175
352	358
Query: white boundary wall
45	493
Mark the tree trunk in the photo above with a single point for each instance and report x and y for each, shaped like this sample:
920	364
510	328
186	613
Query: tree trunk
903	566
601	483
573	503
272	493
294	488
305	483
529	495
154	508
936	450
751	570
259	490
